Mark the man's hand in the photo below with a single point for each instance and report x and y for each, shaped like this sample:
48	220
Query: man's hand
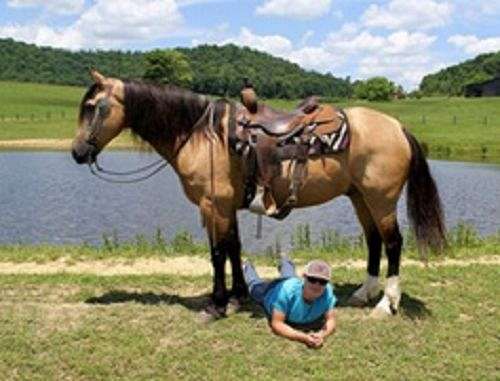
314	340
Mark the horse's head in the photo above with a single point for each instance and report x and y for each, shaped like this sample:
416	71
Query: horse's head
101	118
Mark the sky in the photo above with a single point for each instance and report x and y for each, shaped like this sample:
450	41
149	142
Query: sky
400	39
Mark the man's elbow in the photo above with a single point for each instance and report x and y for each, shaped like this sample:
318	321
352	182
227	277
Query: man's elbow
275	327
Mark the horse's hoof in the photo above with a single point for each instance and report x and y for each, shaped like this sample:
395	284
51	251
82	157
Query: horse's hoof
379	313
212	313
355	301
234	305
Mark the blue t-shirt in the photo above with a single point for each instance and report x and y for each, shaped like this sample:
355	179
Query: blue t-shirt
286	297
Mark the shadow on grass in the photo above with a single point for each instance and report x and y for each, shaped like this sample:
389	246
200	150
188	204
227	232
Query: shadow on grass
195	303
410	307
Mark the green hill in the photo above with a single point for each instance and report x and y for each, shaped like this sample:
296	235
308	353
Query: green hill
451	81
218	70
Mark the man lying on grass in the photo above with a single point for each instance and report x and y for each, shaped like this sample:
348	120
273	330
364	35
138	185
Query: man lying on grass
294	304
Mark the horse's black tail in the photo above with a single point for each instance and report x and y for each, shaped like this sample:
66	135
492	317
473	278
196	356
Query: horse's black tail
423	203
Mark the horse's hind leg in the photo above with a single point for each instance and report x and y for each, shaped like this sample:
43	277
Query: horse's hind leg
370	287
380	211
389	230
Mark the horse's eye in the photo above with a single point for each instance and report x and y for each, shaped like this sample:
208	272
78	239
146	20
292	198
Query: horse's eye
103	108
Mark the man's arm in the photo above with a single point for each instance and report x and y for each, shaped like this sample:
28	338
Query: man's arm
330	325
281	328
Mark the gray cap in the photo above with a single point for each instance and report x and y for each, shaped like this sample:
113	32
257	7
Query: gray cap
318	269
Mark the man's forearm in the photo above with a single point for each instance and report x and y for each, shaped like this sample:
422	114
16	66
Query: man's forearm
330	325
284	330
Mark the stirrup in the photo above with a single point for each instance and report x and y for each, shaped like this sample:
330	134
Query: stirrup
258	204
264	204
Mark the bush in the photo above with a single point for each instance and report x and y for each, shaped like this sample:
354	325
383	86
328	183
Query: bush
375	89
168	66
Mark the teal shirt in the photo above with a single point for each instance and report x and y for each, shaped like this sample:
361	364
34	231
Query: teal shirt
286	297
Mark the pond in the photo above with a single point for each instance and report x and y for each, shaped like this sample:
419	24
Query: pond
46	198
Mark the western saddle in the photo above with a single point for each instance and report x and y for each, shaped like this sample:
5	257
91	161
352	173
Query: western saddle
266	137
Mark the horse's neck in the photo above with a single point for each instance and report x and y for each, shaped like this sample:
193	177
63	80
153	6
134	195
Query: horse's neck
167	142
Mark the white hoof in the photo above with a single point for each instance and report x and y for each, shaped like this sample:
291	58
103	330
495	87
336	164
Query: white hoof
379	313
382	309
389	304
368	291
356	301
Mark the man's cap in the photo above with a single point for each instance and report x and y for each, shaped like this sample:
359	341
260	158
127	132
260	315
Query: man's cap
318	269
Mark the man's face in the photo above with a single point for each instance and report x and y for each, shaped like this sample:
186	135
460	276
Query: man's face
313	287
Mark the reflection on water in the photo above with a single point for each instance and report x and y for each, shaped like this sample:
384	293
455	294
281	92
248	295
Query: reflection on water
46	198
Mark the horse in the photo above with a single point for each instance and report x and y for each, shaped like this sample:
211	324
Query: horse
190	131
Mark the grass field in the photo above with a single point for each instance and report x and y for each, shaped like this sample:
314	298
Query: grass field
86	326
459	129
131	311
451	128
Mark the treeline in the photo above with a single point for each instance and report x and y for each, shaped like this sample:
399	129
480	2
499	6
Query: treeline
220	69
217	70
452	80
30	63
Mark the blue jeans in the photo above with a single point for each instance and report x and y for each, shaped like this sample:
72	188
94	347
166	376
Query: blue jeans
257	287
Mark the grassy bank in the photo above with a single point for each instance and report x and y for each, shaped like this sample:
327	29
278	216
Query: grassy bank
83	327
100	326
464	243
450	128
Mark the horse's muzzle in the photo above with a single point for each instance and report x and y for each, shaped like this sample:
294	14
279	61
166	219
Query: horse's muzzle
84	153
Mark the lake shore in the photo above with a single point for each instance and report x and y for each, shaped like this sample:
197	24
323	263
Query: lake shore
53	145
125	144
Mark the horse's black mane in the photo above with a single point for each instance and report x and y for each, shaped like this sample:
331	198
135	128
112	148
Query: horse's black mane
156	112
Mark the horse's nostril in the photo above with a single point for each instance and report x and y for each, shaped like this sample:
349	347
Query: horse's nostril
79	157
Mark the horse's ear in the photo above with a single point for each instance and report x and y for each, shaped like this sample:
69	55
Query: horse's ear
97	77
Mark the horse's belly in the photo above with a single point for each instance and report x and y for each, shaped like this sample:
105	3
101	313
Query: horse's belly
325	180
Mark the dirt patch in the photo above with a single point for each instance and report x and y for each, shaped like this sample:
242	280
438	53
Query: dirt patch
189	266
37	143
51	144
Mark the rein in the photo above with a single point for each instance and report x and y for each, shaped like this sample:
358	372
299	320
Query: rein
128	181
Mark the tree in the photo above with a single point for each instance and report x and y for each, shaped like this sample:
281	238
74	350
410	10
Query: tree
168	66
374	89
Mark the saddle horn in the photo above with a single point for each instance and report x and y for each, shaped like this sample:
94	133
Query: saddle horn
248	96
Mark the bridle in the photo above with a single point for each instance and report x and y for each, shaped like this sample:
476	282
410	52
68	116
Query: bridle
102	111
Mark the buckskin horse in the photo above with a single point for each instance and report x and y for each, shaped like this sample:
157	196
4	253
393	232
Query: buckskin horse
191	132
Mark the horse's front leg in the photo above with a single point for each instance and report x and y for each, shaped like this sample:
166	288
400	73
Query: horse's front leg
239	289
220	297
220	221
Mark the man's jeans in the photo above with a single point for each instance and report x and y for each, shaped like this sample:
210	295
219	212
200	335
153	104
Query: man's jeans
259	288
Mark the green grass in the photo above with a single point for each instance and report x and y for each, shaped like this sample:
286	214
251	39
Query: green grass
464	243
84	327
35	111
460	129
451	128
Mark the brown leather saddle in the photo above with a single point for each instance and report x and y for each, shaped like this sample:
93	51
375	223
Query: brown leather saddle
266	137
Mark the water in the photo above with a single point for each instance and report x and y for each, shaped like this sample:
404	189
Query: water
46	198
